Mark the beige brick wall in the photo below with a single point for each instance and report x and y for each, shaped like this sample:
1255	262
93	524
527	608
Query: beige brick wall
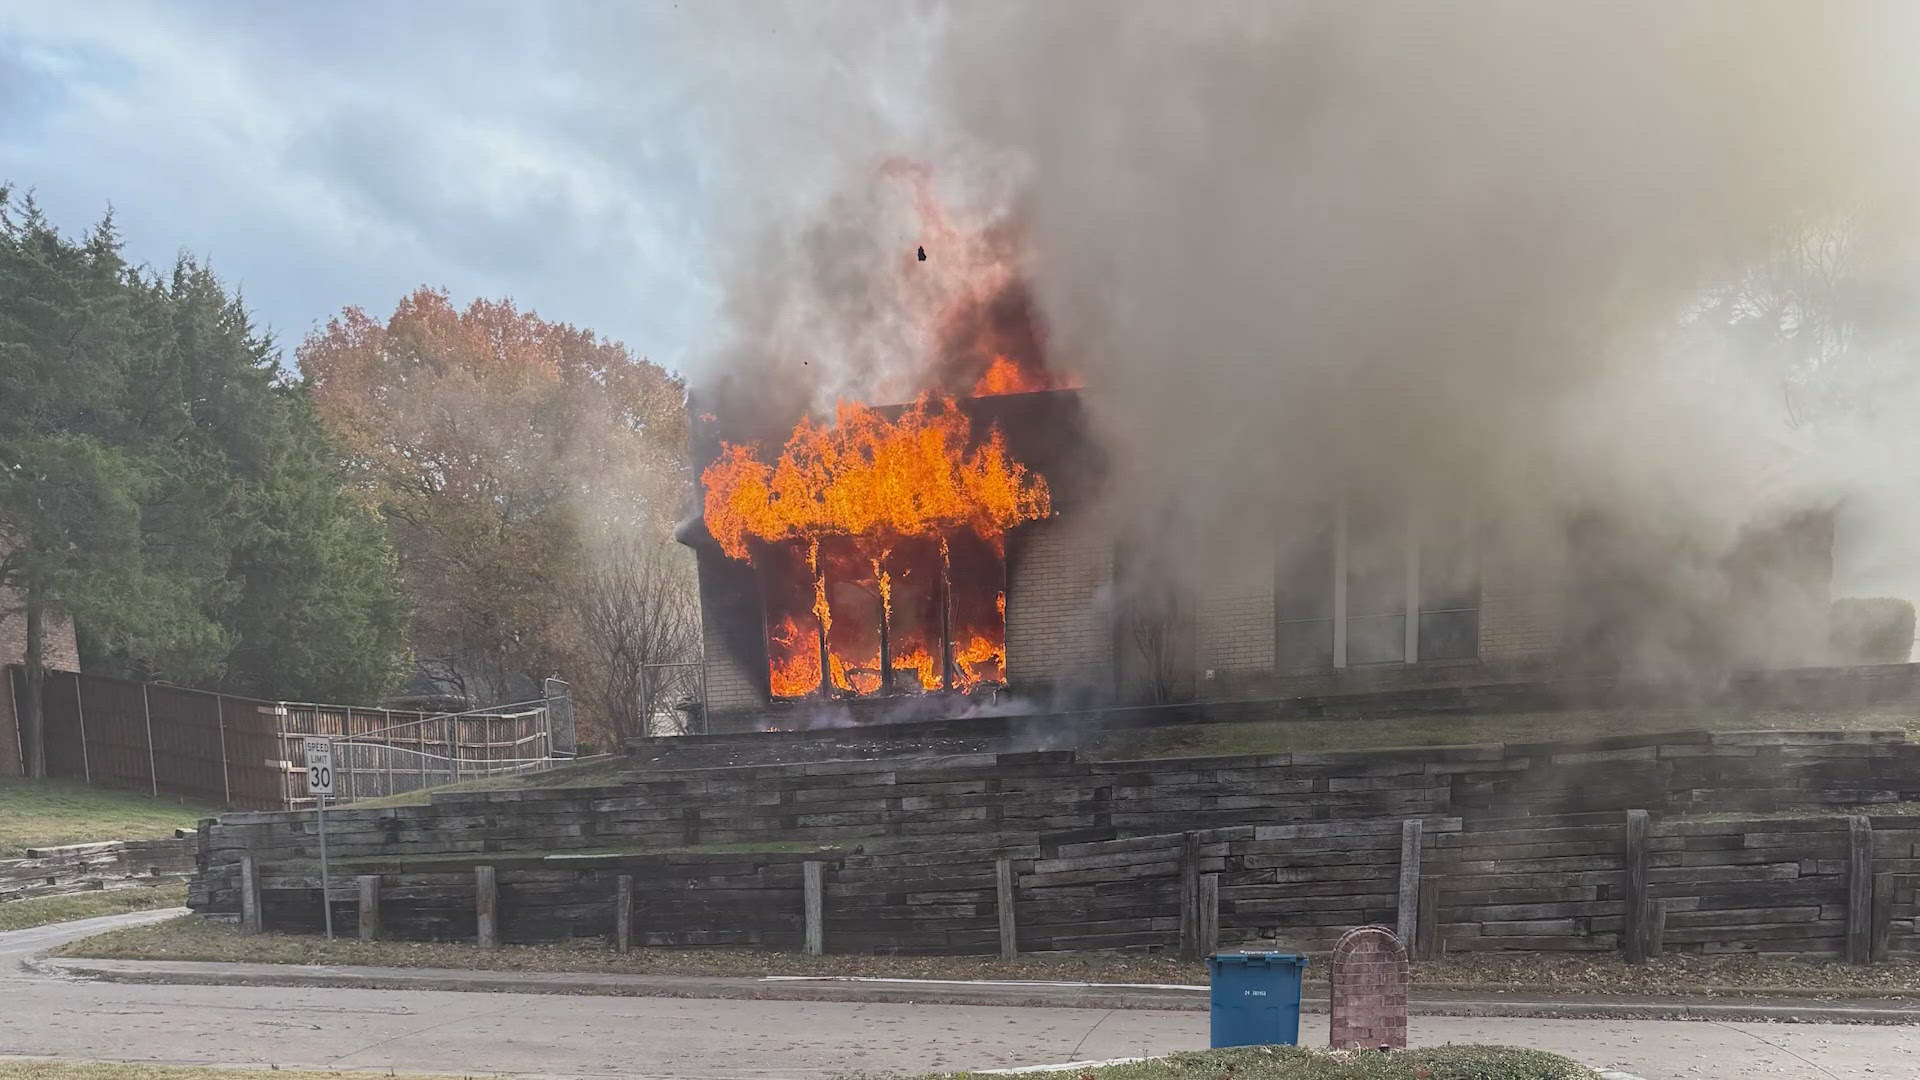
1236	627
1522	610
729	590
1059	628
729	686
63	654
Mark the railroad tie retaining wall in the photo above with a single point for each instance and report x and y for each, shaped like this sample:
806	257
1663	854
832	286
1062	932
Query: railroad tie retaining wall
1769	885
114	864
1522	846
963	798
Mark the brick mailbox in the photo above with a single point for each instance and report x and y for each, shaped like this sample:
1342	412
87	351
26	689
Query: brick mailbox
1368	1003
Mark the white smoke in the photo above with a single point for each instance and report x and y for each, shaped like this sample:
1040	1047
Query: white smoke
1453	252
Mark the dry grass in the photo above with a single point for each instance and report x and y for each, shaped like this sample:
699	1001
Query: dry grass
40	911
1247	1063
1361	733
48	813
1296	1063
587	772
374	863
193	938
1893	809
105	1070
1672	976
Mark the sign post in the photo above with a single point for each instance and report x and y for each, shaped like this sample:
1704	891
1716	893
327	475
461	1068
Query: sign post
320	786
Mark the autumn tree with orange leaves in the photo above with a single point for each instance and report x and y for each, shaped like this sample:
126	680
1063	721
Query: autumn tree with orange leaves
509	454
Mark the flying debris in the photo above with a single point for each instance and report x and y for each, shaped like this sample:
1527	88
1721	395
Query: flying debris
923	253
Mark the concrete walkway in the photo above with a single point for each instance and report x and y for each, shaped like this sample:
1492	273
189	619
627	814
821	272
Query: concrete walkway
656	1037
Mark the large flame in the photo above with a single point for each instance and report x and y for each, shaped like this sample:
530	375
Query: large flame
867	475
795	666
879	546
879	542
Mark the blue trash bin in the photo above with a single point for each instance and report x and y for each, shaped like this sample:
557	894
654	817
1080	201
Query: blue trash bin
1256	998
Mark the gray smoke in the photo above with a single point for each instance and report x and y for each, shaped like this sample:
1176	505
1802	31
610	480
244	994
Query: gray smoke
1461	256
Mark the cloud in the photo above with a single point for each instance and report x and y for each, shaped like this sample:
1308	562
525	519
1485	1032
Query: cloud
327	157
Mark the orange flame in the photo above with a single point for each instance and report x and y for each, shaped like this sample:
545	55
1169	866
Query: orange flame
1004	376
820	609
798	674
975	654
864	475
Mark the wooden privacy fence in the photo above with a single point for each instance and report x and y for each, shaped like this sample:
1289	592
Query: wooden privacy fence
242	752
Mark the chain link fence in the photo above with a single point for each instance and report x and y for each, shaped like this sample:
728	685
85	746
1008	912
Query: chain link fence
673	698
454	748
559	705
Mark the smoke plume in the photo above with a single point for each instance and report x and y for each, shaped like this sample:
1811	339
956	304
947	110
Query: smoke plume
1472	258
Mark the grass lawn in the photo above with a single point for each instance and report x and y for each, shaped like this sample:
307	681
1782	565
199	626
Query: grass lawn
588	772
91	1070
375	863
192	938
48	813
1360	733
1346	733
21	914
1294	1063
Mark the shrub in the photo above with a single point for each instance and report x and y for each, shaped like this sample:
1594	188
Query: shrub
1876	630
1294	1063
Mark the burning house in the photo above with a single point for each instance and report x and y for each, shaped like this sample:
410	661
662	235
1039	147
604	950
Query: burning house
955	548
890	551
976	538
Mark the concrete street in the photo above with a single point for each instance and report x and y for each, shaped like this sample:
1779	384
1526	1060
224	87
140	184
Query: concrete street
548	1035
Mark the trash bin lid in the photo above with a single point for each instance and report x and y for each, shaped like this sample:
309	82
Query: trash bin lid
1262	959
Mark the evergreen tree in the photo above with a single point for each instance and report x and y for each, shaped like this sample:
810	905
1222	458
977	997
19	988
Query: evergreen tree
105	496
161	485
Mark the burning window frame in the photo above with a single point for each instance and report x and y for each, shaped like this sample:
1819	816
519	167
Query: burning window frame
879	500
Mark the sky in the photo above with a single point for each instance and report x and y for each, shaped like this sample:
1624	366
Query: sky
642	168
594	162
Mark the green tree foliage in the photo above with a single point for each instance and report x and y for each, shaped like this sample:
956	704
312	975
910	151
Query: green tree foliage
321	614
164	489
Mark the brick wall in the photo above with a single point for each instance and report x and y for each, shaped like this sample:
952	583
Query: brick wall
10	760
1059	629
1521	609
730	632
729	686
63	654
1236	624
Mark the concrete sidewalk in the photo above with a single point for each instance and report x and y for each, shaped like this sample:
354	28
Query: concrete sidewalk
943	992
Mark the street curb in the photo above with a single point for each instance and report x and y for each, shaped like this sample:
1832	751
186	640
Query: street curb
198	973
1093	996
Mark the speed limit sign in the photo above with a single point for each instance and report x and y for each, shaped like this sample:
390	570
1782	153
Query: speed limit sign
320	786
319	766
